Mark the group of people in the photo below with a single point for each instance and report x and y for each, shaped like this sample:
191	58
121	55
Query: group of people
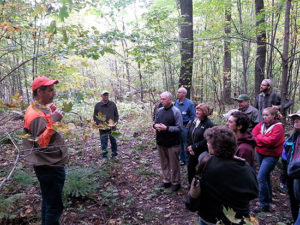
46	149
221	157
186	135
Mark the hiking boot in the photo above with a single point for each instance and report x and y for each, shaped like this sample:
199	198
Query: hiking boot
182	163
165	185
175	187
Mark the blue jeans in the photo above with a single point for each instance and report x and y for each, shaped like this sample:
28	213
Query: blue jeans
51	182
201	222
104	134
267	164
183	155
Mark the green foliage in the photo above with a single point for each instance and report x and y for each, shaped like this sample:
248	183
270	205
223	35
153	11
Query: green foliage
108	196
116	134
24	178
67	106
9	205
230	214
81	181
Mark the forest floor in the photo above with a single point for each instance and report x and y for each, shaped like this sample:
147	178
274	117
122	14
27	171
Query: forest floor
127	194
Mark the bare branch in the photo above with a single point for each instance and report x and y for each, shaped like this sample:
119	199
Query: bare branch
15	163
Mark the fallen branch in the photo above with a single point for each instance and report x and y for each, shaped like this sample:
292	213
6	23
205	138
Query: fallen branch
15	163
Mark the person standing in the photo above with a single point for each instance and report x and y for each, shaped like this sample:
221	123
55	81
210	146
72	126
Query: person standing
106	114
196	141
291	153
238	122
268	98
187	109
168	124
269	136
249	110
48	153
225	181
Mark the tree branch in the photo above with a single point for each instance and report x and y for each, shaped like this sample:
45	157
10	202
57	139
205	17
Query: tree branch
15	163
14	69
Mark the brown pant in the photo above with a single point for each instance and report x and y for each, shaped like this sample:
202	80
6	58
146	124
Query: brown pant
169	163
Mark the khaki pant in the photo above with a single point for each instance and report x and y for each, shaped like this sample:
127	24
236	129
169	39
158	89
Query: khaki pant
169	163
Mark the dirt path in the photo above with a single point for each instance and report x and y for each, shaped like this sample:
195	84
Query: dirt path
129	194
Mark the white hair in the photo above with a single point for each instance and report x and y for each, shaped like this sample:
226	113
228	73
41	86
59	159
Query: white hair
168	94
183	89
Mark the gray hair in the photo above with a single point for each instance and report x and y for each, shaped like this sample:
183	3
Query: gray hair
168	94
183	89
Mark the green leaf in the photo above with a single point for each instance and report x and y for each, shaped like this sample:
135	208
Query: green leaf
116	134
65	36
63	13
230	214
67	107
52	27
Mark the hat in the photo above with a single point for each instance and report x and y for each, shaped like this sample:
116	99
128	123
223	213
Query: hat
242	97
104	92
269	81
227	115
42	81
295	114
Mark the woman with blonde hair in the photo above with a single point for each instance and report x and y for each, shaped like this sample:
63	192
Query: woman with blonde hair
269	136
196	141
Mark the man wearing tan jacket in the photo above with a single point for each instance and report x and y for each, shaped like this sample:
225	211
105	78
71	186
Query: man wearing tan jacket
46	148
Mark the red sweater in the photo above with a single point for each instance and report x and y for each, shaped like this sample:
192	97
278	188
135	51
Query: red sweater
271	142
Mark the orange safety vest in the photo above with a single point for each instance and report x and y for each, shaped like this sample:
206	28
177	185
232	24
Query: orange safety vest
30	115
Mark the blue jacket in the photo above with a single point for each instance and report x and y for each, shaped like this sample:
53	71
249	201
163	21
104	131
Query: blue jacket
187	110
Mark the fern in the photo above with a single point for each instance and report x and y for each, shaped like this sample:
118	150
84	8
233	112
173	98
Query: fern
8	205
24	178
81	181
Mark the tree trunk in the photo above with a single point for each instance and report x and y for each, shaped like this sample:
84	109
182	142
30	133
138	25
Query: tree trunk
227	55
186	37
141	82
284	84
261	45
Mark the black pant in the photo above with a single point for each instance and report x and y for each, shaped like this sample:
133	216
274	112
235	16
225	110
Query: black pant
193	161
294	203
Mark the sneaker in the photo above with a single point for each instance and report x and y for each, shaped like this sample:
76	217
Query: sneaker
175	187
165	185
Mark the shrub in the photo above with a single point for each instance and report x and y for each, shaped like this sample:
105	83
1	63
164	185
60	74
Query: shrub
24	178
9	205
81	181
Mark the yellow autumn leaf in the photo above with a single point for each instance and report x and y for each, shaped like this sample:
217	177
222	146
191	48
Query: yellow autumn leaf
111	123
101	117
61	127
25	136
84	137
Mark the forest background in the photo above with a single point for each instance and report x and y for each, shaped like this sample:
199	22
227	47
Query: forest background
137	49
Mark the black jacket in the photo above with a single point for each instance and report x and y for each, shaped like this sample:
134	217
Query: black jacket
229	183
171	117
195	136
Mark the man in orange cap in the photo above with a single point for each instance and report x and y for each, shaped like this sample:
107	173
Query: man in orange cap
46	148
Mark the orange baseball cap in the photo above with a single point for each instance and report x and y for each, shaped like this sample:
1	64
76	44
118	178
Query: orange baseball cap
42	81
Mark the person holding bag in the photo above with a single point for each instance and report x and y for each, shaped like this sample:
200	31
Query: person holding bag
226	181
